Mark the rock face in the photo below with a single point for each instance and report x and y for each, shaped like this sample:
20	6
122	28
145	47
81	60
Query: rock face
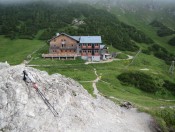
4	65
23	110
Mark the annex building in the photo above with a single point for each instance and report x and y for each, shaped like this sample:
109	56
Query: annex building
64	46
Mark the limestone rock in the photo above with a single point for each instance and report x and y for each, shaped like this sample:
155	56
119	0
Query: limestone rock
4	65
22	109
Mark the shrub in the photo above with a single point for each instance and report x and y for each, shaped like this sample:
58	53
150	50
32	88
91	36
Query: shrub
162	29
169	86
168	115
172	41
148	52
161	53
139	80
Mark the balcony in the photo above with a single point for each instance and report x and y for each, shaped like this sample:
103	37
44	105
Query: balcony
84	47
96	47
68	48
58	55
89	47
54	47
96	54
63	47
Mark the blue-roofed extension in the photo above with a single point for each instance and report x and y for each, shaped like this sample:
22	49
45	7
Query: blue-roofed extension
90	39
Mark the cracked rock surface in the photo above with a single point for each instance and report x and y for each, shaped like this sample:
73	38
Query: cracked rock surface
23	110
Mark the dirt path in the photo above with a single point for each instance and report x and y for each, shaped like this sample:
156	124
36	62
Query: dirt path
30	55
96	92
167	100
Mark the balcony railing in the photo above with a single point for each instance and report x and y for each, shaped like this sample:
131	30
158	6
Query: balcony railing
67	48
96	54
89	47
58	55
84	47
54	47
64	48
97	47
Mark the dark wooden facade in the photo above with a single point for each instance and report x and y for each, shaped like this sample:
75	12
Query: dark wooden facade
90	49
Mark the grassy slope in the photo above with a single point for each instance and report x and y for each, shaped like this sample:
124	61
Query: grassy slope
141	22
15	51
109	85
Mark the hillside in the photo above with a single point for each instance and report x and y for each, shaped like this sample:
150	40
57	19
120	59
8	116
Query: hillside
28	22
25	29
142	14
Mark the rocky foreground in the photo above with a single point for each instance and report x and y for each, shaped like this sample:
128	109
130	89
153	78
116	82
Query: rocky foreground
23	110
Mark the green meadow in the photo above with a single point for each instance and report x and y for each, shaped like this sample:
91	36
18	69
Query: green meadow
16	51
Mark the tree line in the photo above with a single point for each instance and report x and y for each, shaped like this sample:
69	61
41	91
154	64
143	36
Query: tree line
25	21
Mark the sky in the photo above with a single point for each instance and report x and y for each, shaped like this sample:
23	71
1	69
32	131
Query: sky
23	1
